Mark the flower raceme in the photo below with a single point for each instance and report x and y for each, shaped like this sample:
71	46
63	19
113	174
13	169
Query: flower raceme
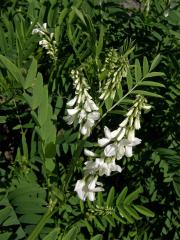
47	41
120	142
116	144
81	109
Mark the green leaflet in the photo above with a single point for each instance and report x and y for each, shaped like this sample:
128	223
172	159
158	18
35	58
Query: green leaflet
146	93
155	62
144	211
151	84
145	66
13	70
53	235
138	72
71	234
110	197
31	75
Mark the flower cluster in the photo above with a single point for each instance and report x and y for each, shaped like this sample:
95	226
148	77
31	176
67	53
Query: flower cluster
119	143
116	144
47	41
116	66
81	109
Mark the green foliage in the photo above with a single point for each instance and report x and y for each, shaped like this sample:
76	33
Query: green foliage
122	50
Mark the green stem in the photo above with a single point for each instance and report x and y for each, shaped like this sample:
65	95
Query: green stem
117	103
34	234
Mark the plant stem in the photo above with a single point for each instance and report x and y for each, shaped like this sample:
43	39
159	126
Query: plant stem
36	231
117	103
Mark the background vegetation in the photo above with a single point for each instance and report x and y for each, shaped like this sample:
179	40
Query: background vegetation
41	157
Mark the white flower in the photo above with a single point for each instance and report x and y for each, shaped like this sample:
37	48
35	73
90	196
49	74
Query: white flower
131	134
146	106
71	102
86	128
92	104
121	134
45	26
82	115
79	188
129	144
129	113
44	43
91	167
103	142
89	153
87	189
100	167
94	115
115	133
137	124
107	132
73	111
124	122
110	150
114	167
105	168
120	151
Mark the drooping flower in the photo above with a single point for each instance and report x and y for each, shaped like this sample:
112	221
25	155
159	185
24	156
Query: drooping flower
82	108
40	29
47	41
101	167
86	188
115	68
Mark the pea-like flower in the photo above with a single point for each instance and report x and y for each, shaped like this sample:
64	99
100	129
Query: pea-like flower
101	167
86	188
82	109
47	41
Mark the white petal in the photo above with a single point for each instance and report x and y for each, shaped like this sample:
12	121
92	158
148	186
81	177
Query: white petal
82	115
91	196
99	161
87	107
110	150
93	105
120	152
89	122
114	167
89	153
103	141
79	189
131	135
115	133
129	113
79	184
92	183
45	25
84	130
43	42
72	111
35	31
94	115
128	151
146	107
137	124
135	142
131	120
72	102
90	168
121	135
107	132
123	124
